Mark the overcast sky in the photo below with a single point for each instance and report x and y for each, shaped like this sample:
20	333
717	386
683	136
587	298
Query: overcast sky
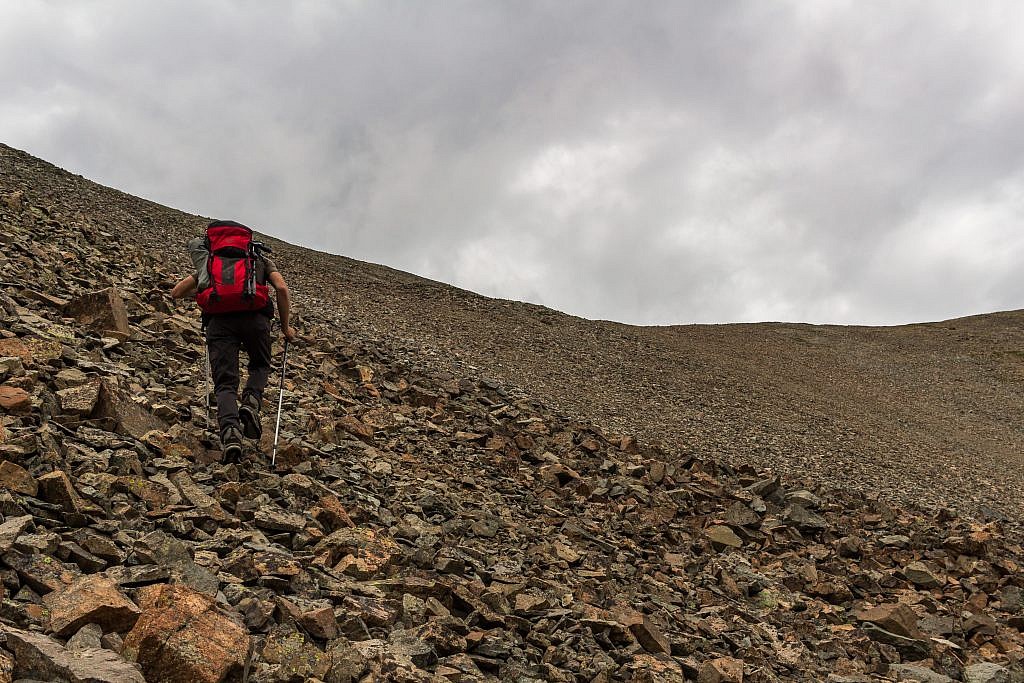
649	162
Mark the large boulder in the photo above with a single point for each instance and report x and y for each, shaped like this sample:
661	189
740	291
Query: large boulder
183	636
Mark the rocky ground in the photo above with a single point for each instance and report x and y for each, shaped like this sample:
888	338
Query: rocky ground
433	517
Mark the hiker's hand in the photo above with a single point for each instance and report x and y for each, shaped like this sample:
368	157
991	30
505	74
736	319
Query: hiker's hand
288	333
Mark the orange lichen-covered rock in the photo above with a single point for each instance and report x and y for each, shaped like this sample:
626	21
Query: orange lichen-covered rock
182	635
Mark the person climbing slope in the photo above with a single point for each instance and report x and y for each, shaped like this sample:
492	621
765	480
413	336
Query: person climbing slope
230	283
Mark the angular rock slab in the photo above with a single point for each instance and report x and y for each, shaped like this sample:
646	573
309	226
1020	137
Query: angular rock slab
81	399
183	636
986	672
40	657
16	478
55	487
897	618
93	599
721	670
131	418
102	311
14	400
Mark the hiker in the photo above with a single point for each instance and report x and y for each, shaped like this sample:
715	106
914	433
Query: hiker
230	284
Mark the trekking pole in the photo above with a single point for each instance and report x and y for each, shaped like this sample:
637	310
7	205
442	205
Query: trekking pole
208	372
280	400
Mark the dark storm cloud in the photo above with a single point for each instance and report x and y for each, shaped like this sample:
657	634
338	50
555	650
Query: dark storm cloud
648	162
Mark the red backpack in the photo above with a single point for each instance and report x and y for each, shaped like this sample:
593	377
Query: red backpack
230	282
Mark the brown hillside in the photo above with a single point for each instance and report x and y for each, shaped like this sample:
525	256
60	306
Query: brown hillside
925	413
460	493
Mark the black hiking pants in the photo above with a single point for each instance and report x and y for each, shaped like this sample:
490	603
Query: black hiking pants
226	335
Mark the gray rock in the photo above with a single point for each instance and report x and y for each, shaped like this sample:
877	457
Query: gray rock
895	540
802	518
919	574
11	529
89	636
722	536
161	548
986	672
908	647
803	497
275	519
405	645
42	657
919	674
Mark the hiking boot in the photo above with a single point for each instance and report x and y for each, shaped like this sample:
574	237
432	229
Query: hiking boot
231	443
249	414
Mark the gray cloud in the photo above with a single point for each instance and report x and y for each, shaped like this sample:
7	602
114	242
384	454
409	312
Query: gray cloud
659	162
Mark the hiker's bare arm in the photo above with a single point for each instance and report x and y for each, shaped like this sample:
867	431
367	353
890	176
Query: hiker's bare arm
284	304
186	287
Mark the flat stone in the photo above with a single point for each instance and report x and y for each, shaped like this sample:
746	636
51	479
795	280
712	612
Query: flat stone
40	657
739	514
986	672
919	574
42	572
896	618
80	400
919	674
16	478
721	670
276	519
912	648
14	400
93	599
11	529
802	518
722	536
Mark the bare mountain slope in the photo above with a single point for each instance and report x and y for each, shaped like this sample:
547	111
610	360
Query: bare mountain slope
928	413
427	519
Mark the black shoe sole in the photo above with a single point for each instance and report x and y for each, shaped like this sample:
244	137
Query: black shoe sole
232	453
251	426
